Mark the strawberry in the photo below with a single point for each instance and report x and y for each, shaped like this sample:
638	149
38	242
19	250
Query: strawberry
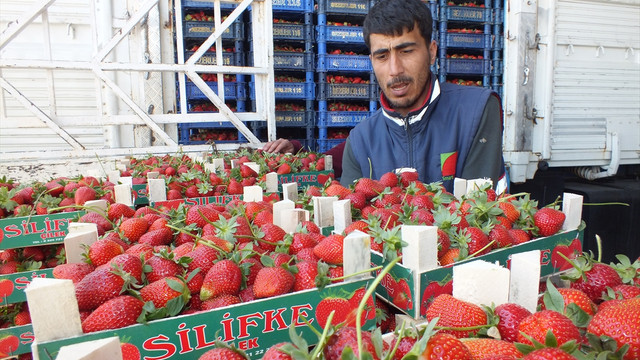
274	353
548	354
422	202
620	321
262	218
449	257
162	236
115	313
509	210
103	250
144	251
578	297
389	179
84	194
220	301
284	168
408	177
369	187
432	290
358	200
301	241
223	353
456	313
330	249
335	189
307	254
537	324
201	215
592	277
480	348
405	345
477	241
9	345
224	277
369	311
519	236
305	276
548	221
33	253
324	308
22	318
346	337
130	352
97	287
128	264
133	228
6	288
500	236
626	291
118	210
160	266
234	187
74	272
510	315
443	346
272	281
272	235
160	292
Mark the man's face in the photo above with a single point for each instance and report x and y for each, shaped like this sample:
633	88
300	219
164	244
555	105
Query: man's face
401	64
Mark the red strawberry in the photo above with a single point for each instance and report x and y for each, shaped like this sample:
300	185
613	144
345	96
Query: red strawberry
369	187
335	189
324	308
477	242
201	215
162	236
548	221
224	277
84	194
593	278
92	217
234	187
130	352
548	354
6	288
160	266
220	301
389	179
116	313
306	275
118	210
103	250
160	292
140	250
456	313
578	297
22	318
500	236
202	257
346	337
301	241
223	353
272	281
519	236
537	324
510	315
405	345
620	321
97	287
510	211
443	346
74	272
133	228
369	311
481	348
358	200
330	249
274	353
272	236
432	290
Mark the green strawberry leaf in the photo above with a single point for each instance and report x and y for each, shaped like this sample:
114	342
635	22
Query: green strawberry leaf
552	298
578	316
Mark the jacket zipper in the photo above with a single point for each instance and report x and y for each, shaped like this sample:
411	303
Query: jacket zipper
407	129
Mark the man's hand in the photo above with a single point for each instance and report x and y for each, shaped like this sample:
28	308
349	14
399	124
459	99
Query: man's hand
279	146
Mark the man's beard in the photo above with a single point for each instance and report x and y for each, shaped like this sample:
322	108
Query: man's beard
404	102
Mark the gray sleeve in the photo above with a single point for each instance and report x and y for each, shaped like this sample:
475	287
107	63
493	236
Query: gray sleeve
485	155
350	167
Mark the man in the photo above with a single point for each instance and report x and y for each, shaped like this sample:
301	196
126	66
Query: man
442	131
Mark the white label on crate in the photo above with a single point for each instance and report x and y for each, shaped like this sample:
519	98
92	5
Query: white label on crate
76	227
292	217
272	183
476	184
421	252
123	194
235	163
323	210
113	176
459	188
278	209
128	180
525	279
210	167
96	206
153	175
356	254
252	193
328	163
157	190
290	191
254	166
341	215
74	243
572	209
481	283
101	349
47	316
218	164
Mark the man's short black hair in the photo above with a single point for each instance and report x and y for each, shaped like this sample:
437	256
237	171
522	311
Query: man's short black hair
393	17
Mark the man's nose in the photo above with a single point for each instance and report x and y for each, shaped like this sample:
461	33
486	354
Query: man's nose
395	65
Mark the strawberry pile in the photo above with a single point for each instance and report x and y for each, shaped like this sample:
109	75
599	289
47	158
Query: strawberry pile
465	3
214	77
341	79
286	48
465	82
28	259
465	56
289	107
340	106
208	107
568	324
214	135
57	195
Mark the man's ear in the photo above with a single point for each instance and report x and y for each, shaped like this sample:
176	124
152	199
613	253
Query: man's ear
433	52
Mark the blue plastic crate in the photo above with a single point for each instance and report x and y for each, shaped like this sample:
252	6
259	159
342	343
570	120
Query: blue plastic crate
466	66
293	32
292	5
285	60
329	62
496	67
347	7
203	29
327	144
294	118
206	4
341	118
209	58
465	40
289	90
340	34
465	13
232	90
347	91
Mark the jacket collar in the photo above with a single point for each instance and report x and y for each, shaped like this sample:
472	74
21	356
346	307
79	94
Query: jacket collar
415	114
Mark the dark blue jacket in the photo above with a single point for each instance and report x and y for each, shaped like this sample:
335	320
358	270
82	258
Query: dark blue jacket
457	133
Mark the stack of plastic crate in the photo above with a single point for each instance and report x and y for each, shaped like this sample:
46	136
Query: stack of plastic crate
347	90
294	83
497	56
198	25
466	41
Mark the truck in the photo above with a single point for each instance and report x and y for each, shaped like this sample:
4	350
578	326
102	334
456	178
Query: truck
83	80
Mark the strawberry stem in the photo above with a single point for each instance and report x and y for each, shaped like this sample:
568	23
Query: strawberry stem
599	243
200	239
607	203
357	273
467	328
366	296
323	337
483	249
